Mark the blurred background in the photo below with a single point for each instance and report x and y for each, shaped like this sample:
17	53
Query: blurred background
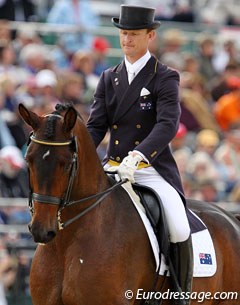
55	51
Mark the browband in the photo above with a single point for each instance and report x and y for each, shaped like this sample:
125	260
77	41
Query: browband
51	143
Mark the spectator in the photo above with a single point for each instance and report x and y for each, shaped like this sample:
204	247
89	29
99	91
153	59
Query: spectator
221	85
217	12
17	10
201	170
208	141
71	91
179	141
7	272
6	137
7	58
9	111
191	64
73	12
42	8
28	92
180	150
99	50
183	12
228	154
71	88
196	112
34	57
5	31
8	67
228	55
13	174
226	109
46	81
7	88
173	41
181	157
83	64
25	36
206	57
208	191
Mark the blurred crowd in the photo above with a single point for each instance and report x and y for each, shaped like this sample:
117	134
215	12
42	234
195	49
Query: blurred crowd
207	145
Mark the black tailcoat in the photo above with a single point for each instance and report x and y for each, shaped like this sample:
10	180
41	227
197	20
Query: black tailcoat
143	115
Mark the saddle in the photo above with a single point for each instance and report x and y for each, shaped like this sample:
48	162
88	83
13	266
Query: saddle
155	213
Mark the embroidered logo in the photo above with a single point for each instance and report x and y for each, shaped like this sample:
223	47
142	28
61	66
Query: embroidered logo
145	105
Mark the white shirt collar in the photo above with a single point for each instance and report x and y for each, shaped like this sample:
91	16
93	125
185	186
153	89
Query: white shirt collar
139	64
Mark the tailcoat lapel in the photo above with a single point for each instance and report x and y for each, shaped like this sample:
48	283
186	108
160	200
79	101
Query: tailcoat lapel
127	95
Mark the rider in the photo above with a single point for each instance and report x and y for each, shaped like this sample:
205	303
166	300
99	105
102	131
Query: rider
138	101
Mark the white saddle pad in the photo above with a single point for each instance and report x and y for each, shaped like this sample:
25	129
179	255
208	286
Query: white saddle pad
205	264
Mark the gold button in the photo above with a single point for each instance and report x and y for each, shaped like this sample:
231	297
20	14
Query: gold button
137	142
118	159
116	142
115	126
138	126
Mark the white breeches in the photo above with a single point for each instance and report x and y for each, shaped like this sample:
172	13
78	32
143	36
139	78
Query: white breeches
177	221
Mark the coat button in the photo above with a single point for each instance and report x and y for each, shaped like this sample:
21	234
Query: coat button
115	126
137	142
116	142
118	159
138	126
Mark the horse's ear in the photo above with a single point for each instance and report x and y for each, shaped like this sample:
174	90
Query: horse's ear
29	117
70	118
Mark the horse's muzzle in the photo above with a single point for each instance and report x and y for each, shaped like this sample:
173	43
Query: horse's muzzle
41	235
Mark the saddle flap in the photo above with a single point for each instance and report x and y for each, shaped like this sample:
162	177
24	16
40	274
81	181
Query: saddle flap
155	212
150	201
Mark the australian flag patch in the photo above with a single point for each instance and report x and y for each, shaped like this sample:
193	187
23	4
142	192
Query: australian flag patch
205	259
145	105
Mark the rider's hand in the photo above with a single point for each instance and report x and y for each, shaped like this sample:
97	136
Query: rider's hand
128	166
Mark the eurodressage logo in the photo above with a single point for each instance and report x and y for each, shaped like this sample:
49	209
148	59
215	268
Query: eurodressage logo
205	259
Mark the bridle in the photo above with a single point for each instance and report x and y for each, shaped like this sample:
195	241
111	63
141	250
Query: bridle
65	201
51	199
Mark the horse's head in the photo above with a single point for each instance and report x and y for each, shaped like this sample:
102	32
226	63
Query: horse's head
51	158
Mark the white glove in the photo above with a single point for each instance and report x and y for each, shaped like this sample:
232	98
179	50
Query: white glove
128	166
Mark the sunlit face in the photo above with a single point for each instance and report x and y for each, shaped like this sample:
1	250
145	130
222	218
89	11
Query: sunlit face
134	43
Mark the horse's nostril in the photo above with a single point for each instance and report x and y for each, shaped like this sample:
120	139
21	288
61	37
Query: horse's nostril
51	234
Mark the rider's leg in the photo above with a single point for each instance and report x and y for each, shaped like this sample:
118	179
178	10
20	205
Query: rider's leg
180	238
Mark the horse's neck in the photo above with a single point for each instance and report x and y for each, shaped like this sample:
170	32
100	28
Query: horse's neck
90	178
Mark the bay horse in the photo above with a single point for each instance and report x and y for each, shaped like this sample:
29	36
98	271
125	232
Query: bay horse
92	245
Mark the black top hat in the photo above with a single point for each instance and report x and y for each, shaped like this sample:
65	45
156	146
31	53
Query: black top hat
136	18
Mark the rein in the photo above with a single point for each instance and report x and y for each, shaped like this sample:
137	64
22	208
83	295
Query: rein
64	202
102	196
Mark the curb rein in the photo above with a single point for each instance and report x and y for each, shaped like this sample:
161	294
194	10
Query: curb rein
64	202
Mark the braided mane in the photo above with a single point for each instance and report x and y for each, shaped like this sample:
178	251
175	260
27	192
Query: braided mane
51	120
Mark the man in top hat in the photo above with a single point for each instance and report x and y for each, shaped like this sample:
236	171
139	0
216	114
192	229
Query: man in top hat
138	102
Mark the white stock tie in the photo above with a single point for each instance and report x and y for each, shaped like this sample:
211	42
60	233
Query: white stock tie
131	75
